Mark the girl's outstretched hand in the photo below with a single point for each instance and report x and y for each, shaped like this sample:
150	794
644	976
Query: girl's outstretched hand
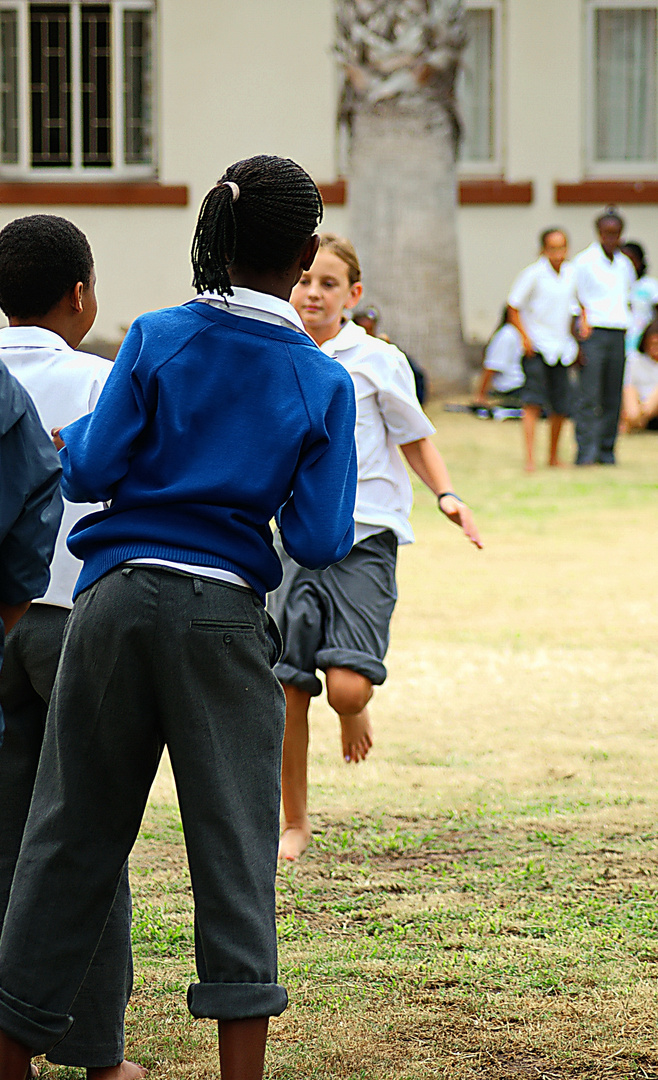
460	514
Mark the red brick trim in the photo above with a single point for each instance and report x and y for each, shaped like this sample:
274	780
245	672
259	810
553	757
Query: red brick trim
494	192
607	191
471	192
86	193
334	193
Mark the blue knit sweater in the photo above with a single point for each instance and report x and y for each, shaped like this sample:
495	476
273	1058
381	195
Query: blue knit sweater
209	425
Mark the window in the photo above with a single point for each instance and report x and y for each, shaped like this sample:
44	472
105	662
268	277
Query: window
76	89
478	90
621	110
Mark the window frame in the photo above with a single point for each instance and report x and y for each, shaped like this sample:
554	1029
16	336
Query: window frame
493	166
594	167
23	169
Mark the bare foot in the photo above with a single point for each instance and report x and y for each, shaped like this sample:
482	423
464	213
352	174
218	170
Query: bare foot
556	464
294	841
356	735
529	466
126	1070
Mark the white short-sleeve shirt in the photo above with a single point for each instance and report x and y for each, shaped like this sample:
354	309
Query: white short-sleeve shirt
503	355
64	385
641	372
388	414
603	287
545	300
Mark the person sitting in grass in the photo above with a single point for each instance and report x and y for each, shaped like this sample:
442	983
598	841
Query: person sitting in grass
218	415
337	619
640	395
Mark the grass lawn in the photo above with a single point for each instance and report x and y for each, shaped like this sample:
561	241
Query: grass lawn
480	899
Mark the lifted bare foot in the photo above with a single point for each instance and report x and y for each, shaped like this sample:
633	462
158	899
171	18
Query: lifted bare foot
294	841
126	1070
356	736
529	466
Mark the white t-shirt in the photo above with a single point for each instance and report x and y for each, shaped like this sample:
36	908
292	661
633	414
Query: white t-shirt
388	415
642	373
603	287
503	355
64	385
545	300
644	297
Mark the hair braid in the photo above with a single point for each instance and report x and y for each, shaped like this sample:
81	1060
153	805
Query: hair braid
277	211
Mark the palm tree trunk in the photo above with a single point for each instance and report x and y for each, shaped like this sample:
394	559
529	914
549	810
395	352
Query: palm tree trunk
400	59
402	222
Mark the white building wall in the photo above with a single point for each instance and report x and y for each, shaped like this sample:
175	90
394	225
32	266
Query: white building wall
236	79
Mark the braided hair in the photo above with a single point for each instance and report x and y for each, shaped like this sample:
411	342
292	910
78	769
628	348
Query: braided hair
264	226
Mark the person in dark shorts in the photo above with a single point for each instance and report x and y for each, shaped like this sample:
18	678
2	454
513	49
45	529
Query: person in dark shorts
541	307
337	620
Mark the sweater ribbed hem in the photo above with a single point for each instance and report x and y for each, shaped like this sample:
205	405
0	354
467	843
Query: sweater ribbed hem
101	562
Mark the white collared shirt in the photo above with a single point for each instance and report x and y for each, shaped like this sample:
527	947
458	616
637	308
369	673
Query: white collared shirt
255	305
388	414
64	385
503	356
603	287
545	300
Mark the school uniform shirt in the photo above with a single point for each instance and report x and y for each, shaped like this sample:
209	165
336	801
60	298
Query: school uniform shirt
644	297
388	415
64	385
642	373
503	356
603	287
545	300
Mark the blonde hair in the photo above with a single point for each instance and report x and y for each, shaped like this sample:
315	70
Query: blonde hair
344	249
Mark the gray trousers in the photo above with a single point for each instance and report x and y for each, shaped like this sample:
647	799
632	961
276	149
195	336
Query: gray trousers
152	657
33	647
600	383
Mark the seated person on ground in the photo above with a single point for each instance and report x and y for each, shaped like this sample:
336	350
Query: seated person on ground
502	373
640	395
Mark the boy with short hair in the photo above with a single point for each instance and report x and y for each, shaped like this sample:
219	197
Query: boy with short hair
47	284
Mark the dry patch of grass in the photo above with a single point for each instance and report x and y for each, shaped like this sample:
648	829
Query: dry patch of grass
480	897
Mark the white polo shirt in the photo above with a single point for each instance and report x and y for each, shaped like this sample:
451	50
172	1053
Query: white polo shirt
388	414
545	300
603	287
64	385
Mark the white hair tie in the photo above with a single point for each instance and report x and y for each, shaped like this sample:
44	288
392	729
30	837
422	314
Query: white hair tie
235	190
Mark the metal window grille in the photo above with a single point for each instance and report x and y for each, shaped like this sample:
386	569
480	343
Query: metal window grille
137	52
50	83
76	87
96	85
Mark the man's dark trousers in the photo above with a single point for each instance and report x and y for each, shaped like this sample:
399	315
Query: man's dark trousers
599	396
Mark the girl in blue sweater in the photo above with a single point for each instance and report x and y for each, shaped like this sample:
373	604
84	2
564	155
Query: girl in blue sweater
217	416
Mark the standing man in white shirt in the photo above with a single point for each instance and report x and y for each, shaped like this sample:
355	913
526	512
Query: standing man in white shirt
604	277
541	303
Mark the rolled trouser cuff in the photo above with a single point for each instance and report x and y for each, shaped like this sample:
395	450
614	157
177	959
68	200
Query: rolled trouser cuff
236	1001
303	680
363	663
37	1029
